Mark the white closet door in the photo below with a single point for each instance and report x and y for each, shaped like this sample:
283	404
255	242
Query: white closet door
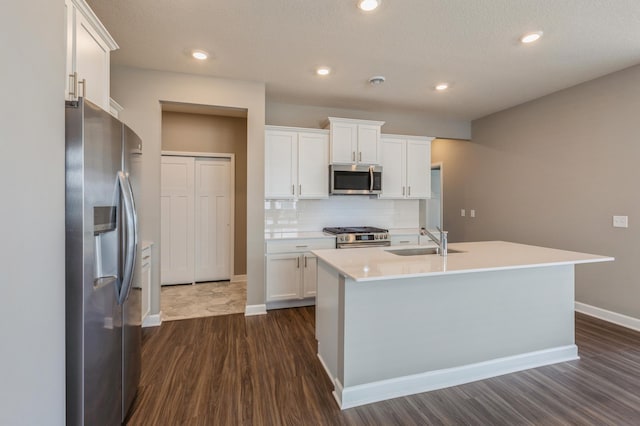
176	216
212	219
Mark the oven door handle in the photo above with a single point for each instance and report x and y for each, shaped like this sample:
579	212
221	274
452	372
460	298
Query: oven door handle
365	245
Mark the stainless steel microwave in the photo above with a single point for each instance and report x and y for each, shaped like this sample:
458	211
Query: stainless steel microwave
355	180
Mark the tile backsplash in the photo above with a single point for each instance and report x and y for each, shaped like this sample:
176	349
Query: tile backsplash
313	215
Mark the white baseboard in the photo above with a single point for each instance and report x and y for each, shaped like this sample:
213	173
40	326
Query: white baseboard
152	320
255	310
326	369
609	316
236	278
368	393
295	303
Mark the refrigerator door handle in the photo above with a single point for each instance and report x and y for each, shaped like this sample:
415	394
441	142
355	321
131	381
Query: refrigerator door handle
131	225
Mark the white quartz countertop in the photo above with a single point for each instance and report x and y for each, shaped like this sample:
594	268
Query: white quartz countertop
296	235
370	264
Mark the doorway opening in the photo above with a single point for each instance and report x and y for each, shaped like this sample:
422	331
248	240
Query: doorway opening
203	211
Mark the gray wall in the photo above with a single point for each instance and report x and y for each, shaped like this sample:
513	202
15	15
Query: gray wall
553	172
398	122
213	133
140	92
32	380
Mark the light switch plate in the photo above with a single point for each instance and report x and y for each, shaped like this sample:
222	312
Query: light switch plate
472	213
621	221
462	213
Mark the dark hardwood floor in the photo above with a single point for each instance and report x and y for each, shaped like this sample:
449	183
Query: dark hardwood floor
263	370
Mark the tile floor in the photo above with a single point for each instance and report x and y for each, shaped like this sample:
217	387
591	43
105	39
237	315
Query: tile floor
186	301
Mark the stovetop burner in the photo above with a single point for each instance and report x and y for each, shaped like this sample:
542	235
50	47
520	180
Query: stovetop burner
354	230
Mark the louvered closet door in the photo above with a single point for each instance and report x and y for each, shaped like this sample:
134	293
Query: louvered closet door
176	216
212	219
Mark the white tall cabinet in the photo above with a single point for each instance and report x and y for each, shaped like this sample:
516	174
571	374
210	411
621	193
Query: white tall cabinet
195	210
296	163
89	47
406	167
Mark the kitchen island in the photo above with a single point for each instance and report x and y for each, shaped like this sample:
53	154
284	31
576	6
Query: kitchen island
389	325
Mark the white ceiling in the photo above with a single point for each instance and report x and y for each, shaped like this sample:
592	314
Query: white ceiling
473	44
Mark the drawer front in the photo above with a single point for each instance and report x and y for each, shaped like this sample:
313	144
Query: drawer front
404	240
299	246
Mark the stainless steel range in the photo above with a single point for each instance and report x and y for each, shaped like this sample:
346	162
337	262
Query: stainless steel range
359	236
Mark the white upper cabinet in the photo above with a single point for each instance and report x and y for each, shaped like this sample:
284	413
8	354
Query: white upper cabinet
281	168
354	141
89	46
296	163
313	165
406	166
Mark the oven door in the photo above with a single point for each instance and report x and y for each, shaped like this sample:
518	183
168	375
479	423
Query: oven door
355	180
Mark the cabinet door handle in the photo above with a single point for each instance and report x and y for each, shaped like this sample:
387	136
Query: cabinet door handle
298	262
405	242
305	261
300	189
353	156
360	156
293	190
403	191
302	246
409	194
84	87
73	85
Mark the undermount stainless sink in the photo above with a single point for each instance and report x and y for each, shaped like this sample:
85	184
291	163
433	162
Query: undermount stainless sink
420	251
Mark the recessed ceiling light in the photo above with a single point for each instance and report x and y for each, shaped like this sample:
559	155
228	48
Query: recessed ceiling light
369	5
323	71
531	37
200	54
442	86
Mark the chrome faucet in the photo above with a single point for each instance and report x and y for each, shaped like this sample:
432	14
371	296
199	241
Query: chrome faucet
441	242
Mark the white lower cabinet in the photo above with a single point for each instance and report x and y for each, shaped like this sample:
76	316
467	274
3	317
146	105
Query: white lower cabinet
291	269
405	240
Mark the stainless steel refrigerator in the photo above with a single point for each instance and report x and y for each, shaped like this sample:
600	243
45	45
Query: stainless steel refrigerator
103	322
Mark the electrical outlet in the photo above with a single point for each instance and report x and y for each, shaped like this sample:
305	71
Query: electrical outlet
472	213
463	213
621	221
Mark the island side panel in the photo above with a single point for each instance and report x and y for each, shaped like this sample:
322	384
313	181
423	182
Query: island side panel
327	317
400	327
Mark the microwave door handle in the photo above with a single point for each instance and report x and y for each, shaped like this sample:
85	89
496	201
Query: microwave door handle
370	178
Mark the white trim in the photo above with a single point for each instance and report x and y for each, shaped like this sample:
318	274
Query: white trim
152	320
198	154
236	278
609	316
251	310
353	396
326	369
296	129
293	303
98	26
408	137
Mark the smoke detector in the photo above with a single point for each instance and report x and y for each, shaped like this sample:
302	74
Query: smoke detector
376	80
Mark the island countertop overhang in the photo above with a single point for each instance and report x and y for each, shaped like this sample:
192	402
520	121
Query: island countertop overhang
372	264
